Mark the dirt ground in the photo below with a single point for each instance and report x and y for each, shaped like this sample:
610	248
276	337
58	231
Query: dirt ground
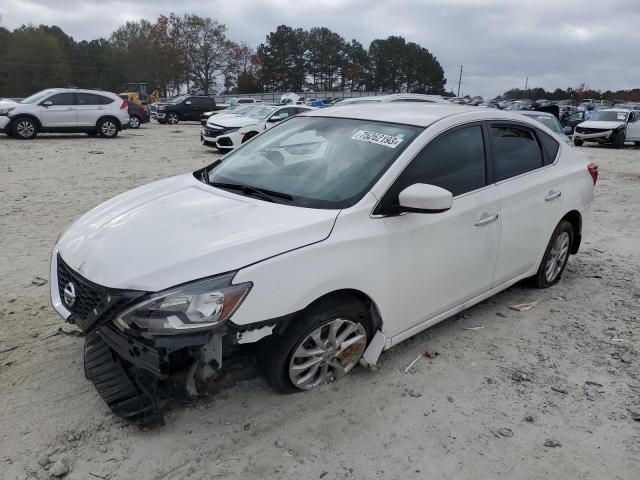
503	382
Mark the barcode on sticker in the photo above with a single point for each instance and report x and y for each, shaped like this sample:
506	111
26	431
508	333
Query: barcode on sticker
377	138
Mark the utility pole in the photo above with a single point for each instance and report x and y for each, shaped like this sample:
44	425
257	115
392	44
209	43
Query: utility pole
526	84
459	80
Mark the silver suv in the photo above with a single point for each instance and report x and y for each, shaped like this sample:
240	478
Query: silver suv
67	110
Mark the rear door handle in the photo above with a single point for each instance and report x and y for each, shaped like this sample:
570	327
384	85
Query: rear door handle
552	196
486	219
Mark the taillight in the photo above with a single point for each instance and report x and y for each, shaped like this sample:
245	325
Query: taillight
124	106
593	171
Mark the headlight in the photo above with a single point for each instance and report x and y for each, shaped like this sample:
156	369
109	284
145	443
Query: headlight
6	110
193	306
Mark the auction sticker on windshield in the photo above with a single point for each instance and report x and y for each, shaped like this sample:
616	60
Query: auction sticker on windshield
377	138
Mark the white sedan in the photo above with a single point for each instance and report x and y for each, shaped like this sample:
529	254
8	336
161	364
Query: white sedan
231	131
327	239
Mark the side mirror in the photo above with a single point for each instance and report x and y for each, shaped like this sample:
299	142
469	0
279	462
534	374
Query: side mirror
188	102
47	103
423	198
274	119
567	130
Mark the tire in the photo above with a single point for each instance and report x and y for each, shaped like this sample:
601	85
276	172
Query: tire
107	128
555	256
24	128
285	356
618	140
173	118
578	142
637	144
249	136
134	121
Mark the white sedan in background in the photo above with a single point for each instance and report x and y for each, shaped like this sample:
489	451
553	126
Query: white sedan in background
229	132
327	239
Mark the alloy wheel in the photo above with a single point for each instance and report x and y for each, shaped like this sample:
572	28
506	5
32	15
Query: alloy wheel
172	119
25	128
557	256
108	128
134	122
328	352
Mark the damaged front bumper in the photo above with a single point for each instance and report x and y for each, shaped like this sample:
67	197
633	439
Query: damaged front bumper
135	372
595	136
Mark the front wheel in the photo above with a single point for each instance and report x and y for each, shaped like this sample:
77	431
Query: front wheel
324	343
577	142
173	118
24	128
618	140
108	128
556	256
249	136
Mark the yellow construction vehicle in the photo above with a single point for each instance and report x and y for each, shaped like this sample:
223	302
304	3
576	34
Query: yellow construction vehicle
137	93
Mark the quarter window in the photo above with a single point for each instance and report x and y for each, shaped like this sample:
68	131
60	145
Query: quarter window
455	162
62	99
550	145
515	151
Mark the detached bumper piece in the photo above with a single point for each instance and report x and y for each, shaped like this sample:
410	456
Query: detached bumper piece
128	391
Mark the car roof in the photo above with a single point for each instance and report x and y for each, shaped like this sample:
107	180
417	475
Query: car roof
533	112
408	113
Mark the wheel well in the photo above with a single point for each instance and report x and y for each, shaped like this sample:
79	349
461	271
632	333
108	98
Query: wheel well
249	135
111	117
31	117
575	219
375	317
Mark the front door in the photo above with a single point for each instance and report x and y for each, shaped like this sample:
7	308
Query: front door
61	113
633	127
441	260
531	195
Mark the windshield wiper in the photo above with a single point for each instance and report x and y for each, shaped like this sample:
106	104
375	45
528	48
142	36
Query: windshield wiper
247	189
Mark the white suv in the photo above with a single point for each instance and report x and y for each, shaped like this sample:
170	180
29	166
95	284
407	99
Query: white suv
65	110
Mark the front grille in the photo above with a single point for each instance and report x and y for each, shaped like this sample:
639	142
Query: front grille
88	294
590	130
216	132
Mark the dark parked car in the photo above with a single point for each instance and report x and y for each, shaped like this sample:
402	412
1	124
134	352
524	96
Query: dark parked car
574	119
138	114
184	107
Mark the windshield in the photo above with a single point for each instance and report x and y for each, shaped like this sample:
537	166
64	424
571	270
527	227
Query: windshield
319	162
260	113
610	116
547	121
37	96
179	99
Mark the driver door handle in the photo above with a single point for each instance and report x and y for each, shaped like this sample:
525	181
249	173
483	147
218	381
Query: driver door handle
486	219
552	196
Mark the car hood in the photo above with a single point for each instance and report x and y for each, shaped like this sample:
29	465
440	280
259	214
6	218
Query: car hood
232	121
179	229
600	124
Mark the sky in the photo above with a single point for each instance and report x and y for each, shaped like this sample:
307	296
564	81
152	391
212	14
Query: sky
555	43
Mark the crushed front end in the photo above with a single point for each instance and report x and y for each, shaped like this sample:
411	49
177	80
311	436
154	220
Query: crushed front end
141	348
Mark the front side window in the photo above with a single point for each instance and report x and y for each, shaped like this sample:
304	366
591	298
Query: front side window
314	162
61	99
515	151
454	161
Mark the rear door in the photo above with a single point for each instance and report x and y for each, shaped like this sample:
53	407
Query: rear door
530	194
89	108
61	113
197	107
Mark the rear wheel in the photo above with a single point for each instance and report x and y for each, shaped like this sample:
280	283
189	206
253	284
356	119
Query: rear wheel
134	121
172	118
24	128
324	343
556	256
108	128
577	142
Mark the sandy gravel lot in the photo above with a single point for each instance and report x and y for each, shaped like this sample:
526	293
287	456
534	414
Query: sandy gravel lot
483	408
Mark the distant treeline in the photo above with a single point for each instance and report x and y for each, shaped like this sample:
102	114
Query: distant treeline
578	93
192	53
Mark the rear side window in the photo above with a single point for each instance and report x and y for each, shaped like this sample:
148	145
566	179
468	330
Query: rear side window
87	99
455	162
515	151
550	146
62	99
